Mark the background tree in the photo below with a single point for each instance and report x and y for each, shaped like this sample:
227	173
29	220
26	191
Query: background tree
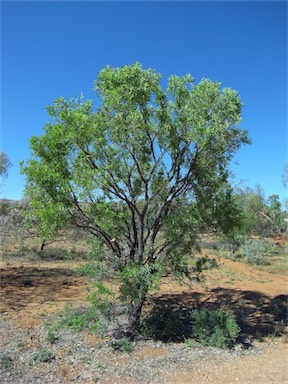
274	213
252	202
260	216
12	223
138	172
5	164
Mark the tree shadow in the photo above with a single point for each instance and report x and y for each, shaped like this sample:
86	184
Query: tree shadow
21	287
258	315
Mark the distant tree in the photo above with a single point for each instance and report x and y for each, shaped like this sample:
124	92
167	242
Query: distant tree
138	173
12	223
5	164
260	216
274	213
231	223
252	202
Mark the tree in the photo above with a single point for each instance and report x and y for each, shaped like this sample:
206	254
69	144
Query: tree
135	172
12	222
274	213
5	164
253	206
260	216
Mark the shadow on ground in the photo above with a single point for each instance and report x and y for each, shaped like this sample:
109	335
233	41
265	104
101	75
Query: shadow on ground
258	315
24	287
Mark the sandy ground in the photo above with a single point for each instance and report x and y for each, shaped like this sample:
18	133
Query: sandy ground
31	291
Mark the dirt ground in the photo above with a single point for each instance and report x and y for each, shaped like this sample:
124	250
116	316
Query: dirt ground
32	290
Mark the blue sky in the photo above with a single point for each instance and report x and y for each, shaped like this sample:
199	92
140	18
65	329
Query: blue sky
52	49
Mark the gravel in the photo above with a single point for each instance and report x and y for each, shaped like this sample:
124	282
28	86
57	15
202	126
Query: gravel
80	359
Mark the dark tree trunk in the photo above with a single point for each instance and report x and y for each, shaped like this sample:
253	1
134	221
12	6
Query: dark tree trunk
134	315
43	245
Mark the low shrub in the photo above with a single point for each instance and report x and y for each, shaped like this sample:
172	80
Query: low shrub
214	328
123	345
95	317
44	356
256	251
79	319
162	324
51	337
5	361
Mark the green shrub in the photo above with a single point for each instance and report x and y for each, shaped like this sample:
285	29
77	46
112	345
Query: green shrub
43	355
51	337
123	345
5	361
162	324
190	342
256	251
214	328
76	319
96	317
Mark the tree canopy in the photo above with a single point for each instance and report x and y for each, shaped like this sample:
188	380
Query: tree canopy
141	172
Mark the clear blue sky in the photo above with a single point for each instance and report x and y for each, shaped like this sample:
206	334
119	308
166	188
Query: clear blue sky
52	49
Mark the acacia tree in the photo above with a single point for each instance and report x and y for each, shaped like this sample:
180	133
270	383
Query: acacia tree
136	173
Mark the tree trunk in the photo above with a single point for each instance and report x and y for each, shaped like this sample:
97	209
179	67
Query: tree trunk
43	245
134	314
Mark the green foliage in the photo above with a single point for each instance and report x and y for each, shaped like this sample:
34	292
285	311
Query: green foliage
102	264
252	215
190	342
203	264
139	173
5	361
274	213
95	317
257	251
162	324
214	328
123	345
11	219
43	213
43	356
99	299
5	164
88	269
137	280
78	319
51	336
5	207
260	216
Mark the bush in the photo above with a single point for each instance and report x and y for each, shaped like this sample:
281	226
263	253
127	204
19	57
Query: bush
162	324
123	345
214	328
44	356
5	361
95	317
51	337
256	251
77	320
